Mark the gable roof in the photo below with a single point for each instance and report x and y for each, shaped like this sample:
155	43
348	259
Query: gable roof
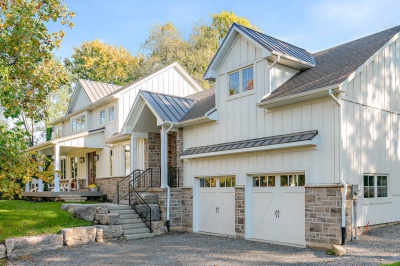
278	46
97	90
205	101
335	65
270	47
168	107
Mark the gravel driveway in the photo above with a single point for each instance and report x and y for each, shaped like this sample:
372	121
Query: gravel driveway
381	246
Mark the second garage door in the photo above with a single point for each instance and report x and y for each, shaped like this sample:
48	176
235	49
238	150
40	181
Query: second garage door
216	212
278	209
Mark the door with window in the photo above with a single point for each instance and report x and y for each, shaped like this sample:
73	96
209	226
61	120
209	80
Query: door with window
278	208
92	167
216	212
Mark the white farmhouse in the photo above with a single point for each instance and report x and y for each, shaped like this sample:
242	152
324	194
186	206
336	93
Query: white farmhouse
291	147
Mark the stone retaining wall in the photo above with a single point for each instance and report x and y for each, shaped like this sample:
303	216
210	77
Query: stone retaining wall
324	215
108	185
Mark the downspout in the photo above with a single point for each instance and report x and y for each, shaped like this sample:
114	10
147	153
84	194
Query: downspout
340	170
166	183
269	79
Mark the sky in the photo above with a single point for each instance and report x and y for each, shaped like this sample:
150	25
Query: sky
311	25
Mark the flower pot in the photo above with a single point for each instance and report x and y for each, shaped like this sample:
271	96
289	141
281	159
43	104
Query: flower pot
93	189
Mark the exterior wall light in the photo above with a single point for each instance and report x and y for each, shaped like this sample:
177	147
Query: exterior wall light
81	159
97	157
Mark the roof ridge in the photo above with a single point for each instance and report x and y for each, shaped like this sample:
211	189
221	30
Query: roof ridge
165	94
367	36
272	37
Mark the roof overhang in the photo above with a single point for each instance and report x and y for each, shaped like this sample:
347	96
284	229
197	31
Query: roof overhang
311	141
299	97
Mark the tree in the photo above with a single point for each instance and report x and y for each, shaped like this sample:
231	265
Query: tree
223	21
16	166
166	45
27	69
101	62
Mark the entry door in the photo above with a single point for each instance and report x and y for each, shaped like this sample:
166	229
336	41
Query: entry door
92	167
278	209
217	205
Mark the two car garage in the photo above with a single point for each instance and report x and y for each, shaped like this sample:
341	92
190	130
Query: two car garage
277	208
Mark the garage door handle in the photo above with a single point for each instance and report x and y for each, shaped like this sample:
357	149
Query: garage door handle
278	213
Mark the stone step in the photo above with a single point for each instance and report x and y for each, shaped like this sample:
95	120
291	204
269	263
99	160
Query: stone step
129	216
131	221
121	212
124	202
120	207
136	231
133	226
138	236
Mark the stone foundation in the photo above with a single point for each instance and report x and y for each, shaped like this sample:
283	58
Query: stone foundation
108	185
323	215
187	209
239	211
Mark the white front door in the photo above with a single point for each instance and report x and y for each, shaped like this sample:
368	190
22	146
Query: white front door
278	209
216	212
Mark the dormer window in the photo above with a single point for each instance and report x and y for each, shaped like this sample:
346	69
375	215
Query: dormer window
102	116
111	113
241	81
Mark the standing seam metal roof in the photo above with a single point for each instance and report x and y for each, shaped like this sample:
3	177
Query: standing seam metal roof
97	90
168	107
273	44
252	143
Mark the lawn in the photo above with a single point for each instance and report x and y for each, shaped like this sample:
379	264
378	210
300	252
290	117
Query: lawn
24	218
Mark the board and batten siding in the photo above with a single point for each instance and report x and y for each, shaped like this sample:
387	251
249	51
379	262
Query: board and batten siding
378	83
169	81
312	115
371	146
81	100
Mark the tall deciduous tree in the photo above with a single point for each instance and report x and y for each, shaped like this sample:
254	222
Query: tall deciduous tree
166	45
101	62
28	72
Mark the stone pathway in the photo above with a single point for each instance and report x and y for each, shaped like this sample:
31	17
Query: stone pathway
381	246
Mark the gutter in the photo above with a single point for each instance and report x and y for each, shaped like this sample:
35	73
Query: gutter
166	184
341	169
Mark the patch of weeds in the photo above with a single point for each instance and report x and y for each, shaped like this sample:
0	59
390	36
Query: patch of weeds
3	262
330	251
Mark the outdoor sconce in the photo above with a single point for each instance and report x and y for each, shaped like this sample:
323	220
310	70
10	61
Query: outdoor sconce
81	159
97	157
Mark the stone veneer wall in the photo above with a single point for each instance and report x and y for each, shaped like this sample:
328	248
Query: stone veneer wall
108	185
323	215
187	209
239	211
179	150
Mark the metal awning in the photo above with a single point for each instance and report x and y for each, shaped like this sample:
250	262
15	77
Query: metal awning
299	139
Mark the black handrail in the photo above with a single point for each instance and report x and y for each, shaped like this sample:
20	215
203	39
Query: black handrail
173	176
124	185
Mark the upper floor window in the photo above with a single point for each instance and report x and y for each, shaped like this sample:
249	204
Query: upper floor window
57	133
375	186
79	123
111	114
102	116
241	81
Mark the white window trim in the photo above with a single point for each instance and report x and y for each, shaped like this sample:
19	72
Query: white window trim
376	186
241	92
85	114
108	114
105	116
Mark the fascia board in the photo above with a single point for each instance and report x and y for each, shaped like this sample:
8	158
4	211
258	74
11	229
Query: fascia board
305	143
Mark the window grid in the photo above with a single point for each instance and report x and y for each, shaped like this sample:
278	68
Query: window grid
263	181
79	123
293	180
111	114
102	117
382	186
241	81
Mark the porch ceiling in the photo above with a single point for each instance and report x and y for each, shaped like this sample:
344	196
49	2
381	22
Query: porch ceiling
64	150
147	121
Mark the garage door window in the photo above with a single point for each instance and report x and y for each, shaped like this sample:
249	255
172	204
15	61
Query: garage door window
227	182
293	180
263	181
208	182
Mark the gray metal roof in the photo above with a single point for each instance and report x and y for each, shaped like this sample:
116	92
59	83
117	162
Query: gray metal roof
252	143
168	107
335	65
97	90
273	44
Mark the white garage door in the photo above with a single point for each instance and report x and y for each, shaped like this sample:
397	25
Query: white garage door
278	209
217	205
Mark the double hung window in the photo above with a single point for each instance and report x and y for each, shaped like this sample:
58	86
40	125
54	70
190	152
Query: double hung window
241	81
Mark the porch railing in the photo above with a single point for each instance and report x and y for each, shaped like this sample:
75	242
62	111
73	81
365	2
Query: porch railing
173	176
122	189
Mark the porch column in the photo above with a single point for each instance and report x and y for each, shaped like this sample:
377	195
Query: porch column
133	152
164	157
56	167
40	185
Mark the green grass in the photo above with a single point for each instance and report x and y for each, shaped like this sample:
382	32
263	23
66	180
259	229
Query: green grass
392	264
24	218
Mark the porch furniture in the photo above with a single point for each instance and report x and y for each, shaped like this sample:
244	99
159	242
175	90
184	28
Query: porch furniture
34	185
